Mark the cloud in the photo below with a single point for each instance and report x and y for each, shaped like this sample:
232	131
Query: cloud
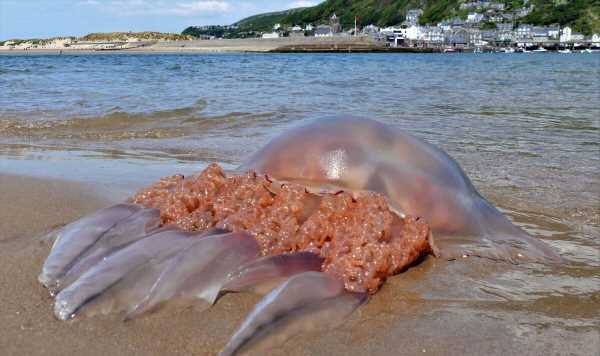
303	3
159	7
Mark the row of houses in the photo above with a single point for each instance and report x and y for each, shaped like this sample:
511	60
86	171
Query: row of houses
454	31
523	35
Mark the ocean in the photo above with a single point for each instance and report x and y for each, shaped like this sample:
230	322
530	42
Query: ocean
524	127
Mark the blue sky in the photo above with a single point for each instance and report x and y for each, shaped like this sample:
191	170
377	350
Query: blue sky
48	18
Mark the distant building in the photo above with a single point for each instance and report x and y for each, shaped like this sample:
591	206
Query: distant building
412	16
474	17
413	33
595	39
432	34
475	37
577	37
323	31
553	32
277	27
504	32
296	31
334	24
523	32
522	12
457	38
496	18
565	34
482	5
370	29
504	26
539	34
309	27
489	35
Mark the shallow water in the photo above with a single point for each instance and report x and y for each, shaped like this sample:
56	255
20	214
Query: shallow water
526	129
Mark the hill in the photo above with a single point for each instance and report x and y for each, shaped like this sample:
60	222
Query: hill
265	22
582	15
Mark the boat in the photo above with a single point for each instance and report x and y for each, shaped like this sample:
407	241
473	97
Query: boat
508	50
587	50
449	50
566	50
540	49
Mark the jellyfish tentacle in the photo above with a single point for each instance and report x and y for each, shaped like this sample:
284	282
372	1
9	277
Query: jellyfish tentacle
148	251
263	274
125	295
301	303
77	236
125	232
199	271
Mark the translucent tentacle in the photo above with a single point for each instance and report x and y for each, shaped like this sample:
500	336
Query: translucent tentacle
307	301
77	236
137	256
262	275
200	271
125	232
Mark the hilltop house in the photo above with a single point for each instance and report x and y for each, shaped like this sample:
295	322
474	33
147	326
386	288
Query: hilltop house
474	17
482	5
412	17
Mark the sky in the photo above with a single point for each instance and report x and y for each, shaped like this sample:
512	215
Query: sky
49	18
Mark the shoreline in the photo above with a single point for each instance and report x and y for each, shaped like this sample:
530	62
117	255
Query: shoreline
259	45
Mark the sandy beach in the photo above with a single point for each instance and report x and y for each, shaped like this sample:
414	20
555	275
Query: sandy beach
223	46
413	314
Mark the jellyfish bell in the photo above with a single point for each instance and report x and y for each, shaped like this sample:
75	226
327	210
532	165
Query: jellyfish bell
419	179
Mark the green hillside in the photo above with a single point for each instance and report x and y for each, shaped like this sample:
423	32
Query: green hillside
582	15
265	22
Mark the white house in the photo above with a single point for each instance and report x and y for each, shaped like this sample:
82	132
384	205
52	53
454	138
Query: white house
565	34
309	27
474	17
523	32
277	27
595	39
413	33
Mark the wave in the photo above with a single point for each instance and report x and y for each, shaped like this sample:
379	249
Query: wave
121	125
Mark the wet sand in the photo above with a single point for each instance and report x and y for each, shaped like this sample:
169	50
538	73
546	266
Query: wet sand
435	308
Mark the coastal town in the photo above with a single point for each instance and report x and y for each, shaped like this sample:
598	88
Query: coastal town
486	26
